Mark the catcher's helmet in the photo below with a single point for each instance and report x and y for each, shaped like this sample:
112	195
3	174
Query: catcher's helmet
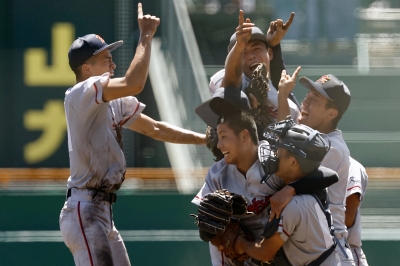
304	143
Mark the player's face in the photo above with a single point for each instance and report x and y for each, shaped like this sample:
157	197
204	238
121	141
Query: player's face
229	144
313	110
255	52
284	163
103	63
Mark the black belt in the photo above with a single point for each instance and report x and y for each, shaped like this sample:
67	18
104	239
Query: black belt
99	195
260	263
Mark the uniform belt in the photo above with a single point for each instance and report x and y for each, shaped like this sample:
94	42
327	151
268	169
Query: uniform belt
99	195
260	263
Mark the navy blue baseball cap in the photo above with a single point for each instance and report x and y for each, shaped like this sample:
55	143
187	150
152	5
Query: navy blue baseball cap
225	101
332	88
87	46
256	34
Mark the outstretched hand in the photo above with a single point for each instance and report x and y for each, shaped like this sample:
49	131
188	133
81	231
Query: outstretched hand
287	82
277	30
243	31
147	24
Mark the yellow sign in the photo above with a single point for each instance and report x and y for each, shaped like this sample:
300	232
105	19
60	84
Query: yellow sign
53	124
38	73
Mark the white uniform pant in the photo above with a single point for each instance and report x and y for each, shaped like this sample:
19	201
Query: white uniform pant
359	256
345	261
88	231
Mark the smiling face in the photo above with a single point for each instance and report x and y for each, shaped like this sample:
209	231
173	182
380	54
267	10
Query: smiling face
229	143
100	64
255	52
314	111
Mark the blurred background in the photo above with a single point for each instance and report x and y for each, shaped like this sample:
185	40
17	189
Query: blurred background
358	41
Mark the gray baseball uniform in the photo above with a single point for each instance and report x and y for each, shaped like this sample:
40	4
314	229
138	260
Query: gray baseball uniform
337	159
216	80
305	230
97	166
357	183
226	176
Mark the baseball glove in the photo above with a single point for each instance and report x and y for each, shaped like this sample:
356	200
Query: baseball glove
228	240
259	84
215	212
259	88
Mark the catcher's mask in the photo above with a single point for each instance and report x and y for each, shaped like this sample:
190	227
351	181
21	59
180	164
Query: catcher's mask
304	143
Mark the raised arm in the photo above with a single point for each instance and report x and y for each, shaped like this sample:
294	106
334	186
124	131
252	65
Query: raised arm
135	78
234	60
164	131
286	85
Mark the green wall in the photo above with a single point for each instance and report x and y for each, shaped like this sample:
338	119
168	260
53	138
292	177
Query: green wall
158	211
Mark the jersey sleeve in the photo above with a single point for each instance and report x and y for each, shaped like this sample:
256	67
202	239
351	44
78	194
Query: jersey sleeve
358	179
131	109
289	219
86	97
216	81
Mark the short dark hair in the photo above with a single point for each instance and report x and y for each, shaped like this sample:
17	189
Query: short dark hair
239	122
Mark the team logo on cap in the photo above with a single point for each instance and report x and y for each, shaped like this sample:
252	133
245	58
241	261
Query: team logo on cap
101	39
323	79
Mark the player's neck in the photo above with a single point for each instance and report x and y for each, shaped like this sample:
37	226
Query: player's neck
247	161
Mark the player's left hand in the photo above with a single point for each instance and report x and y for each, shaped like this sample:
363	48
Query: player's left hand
277	30
287	82
279	201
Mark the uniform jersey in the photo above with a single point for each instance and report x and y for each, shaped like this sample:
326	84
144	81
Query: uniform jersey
306	233
96	158
357	183
337	159
272	102
226	176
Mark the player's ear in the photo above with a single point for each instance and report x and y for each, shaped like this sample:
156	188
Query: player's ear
294	162
85	69
245	135
332	113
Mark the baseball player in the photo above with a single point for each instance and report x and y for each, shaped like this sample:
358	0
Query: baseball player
249	47
303	235
356	188
276	32
96	108
324	105
240	170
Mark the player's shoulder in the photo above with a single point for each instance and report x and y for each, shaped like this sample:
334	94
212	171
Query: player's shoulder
88	83
217	169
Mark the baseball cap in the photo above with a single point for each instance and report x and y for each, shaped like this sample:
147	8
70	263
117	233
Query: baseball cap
256	34
225	101
87	46
332	88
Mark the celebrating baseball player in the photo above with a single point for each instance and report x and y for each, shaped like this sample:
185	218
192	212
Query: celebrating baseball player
260	80
356	188
303	235
96	108
324	105
250	47
239	172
